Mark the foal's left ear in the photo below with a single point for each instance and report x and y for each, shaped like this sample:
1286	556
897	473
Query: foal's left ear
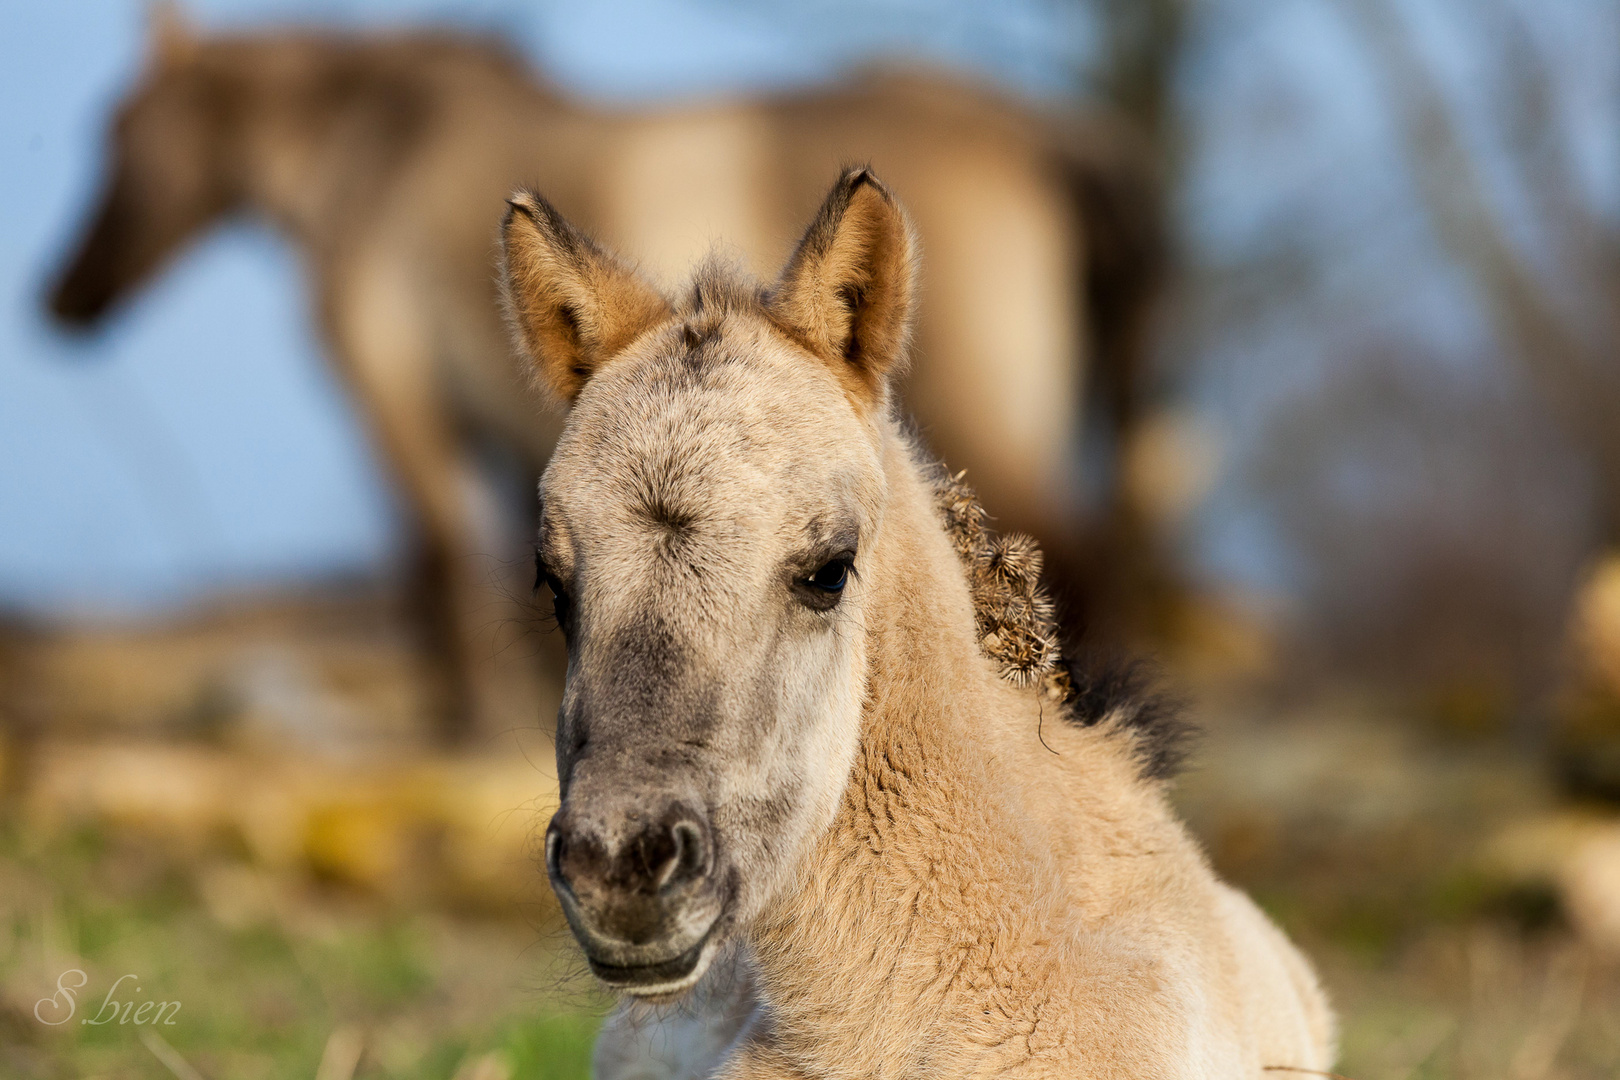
846	293
571	304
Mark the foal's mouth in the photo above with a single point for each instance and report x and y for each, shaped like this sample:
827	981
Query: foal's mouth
648	967
662	979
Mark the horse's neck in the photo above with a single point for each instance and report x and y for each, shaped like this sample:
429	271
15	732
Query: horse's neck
289	160
928	685
316	158
317	162
920	857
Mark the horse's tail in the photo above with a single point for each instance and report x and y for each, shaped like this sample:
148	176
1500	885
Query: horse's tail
1119	195
1112	582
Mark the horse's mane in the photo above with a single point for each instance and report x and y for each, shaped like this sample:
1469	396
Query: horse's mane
1018	628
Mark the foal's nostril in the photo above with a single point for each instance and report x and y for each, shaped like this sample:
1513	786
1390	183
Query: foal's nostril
556	852
690	860
574	860
554	843
653	850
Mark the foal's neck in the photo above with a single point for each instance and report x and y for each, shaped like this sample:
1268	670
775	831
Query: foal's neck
923	854
928	683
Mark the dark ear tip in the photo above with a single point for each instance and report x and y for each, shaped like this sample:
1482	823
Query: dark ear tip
856	177
522	202
534	206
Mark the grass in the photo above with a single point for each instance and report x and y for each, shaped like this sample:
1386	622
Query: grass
1355	839
262	993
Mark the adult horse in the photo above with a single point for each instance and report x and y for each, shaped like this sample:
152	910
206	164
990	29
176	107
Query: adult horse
385	158
814	741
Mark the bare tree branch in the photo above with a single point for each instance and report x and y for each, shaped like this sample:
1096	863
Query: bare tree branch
1570	365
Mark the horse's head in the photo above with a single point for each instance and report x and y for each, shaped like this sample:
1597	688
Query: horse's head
169	174
705	521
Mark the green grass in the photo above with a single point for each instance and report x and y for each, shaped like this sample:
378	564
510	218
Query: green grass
260	996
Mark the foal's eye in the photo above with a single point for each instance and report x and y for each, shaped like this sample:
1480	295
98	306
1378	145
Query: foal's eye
831	577
559	595
561	606
823	588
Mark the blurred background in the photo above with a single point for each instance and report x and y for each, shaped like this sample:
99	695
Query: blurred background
1348	465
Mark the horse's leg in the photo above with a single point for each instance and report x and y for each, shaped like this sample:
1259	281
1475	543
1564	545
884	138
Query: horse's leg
385	347
686	1041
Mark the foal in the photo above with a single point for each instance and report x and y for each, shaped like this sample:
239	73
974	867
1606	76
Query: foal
783	745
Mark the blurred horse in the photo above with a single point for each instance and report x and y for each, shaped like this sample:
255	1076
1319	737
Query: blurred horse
387	159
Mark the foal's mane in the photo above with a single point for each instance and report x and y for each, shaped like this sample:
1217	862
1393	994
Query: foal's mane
1018	628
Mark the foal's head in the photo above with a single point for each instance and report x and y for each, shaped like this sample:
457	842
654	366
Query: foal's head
705	521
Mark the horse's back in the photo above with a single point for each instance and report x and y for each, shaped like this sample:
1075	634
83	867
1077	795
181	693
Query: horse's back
1000	347
1000	341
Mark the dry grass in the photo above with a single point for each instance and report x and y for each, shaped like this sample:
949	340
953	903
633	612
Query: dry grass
1373	847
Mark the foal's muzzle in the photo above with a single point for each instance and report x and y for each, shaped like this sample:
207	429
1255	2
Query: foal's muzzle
638	889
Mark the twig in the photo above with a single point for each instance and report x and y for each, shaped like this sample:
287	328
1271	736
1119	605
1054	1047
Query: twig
1296	1068
168	1056
342	1054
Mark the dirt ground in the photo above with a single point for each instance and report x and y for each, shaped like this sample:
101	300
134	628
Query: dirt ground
332	900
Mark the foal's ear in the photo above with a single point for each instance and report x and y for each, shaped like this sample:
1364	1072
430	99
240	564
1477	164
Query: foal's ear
571	304
846	293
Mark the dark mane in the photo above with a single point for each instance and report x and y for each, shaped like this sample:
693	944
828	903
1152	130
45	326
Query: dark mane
1126	695
1017	627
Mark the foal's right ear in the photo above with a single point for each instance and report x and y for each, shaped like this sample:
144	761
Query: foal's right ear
572	305
846	293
